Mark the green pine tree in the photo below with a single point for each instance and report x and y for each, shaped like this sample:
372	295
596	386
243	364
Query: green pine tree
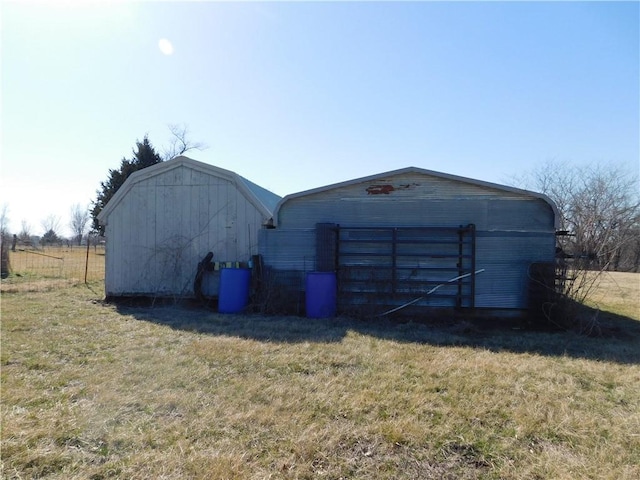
50	238
144	156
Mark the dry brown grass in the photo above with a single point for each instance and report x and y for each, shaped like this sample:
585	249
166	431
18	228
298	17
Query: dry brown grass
93	391
35	269
617	292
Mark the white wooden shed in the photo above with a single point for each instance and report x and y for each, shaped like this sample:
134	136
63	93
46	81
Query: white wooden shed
165	219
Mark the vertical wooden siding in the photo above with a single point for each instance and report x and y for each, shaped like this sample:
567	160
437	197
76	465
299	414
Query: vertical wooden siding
167	223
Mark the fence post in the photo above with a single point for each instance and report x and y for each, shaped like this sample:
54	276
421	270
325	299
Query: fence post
86	265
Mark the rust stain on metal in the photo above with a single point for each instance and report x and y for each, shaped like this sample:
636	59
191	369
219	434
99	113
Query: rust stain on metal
380	189
387	188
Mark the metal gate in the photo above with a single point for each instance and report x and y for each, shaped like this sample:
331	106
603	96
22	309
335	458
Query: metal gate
394	265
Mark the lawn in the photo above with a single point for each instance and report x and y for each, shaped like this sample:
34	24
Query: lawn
95	391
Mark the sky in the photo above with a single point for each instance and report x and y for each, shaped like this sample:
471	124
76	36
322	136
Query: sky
298	95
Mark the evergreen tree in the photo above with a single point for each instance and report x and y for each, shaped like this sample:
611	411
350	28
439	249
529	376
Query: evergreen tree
144	156
50	238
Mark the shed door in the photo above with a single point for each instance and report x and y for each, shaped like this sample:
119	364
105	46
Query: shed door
390	266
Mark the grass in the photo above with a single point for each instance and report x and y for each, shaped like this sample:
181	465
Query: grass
53	266
96	391
618	292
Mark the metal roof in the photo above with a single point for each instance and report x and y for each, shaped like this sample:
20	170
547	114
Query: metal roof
421	171
267	197
264	200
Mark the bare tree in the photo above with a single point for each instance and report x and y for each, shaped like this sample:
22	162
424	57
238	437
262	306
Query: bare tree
5	267
599	209
599	206
25	232
180	143
4	220
79	221
51	227
51	222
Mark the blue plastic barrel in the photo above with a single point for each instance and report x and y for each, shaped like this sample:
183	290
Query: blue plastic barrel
321	294
233	295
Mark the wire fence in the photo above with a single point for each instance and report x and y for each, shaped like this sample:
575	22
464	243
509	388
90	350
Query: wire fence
30	267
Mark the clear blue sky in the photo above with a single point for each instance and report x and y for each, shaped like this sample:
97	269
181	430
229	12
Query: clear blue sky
298	95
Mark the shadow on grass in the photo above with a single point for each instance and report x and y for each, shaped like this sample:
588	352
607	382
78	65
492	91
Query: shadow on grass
612	337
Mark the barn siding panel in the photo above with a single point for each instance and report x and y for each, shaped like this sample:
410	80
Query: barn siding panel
135	245
506	257
486	214
167	223
288	249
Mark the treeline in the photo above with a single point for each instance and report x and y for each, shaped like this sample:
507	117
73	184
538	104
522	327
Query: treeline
51	226
599	208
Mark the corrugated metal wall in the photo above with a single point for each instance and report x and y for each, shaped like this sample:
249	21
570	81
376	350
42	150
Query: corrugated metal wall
506	257
167	223
354	207
513	229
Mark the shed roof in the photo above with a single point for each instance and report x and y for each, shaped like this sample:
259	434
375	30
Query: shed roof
264	200
421	171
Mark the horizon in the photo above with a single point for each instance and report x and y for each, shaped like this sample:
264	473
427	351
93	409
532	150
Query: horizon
296	96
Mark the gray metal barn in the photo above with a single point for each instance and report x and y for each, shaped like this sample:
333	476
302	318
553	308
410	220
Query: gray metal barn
396	236
165	218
